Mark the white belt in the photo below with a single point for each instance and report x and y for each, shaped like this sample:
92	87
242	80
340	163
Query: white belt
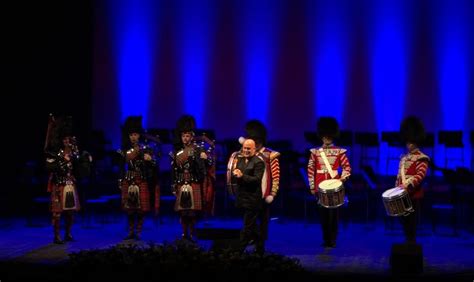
325	171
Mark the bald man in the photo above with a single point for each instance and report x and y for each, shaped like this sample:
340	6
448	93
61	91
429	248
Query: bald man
247	176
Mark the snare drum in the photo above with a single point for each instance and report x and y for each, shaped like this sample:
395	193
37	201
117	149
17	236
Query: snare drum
397	202
331	193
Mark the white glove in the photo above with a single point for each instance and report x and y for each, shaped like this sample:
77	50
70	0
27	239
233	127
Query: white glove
269	199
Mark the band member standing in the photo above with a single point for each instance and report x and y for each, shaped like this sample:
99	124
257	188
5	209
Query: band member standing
318	171
411	171
140	168
64	162
188	173
256	131
247	175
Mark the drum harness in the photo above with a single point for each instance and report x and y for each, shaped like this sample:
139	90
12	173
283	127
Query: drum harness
326	163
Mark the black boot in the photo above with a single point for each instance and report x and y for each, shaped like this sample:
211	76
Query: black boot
56	229
140	220
68	237
131	224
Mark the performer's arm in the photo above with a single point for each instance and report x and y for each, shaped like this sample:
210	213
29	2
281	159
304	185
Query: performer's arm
346	166
275	170
421	169
311	171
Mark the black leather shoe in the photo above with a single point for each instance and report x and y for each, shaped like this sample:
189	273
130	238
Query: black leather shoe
68	238
130	236
58	241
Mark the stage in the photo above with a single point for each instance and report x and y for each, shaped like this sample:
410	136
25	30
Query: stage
362	250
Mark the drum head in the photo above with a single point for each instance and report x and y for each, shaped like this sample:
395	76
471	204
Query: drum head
394	192
330	184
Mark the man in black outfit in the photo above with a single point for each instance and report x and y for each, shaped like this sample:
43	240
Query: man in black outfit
247	175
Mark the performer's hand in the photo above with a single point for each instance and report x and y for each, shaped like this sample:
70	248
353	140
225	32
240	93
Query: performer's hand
237	173
313	192
147	157
403	186
67	157
203	156
269	199
345	175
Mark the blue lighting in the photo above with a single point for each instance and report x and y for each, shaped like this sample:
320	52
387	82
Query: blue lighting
451	33
195	31
388	40
259	21
329	43
133	23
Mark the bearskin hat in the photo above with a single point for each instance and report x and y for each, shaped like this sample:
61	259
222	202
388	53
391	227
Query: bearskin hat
254	129
186	123
412	130
62	128
328	126
132	124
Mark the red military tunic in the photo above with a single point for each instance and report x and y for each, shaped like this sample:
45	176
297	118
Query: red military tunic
317	171
415	166
271	177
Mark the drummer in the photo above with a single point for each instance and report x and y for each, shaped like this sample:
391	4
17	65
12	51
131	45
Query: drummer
325	163
411	171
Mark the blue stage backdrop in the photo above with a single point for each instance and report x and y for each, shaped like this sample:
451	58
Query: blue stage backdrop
367	63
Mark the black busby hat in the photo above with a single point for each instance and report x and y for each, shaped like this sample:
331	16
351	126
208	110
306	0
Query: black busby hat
412	130
133	124
255	129
327	127
186	123
62	128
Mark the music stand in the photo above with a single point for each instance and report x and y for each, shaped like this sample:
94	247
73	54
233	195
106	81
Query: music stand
452	140
392	138
472	149
211	134
312	137
368	140
395	146
346	138
99	144
165	135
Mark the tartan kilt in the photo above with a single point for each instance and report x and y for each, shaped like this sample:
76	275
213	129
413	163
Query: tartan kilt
144	195
209	195
197	198
57	193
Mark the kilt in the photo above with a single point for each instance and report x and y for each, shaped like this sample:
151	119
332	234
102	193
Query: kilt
197	198
57	193
144	195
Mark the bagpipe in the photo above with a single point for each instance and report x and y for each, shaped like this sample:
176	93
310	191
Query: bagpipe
82	160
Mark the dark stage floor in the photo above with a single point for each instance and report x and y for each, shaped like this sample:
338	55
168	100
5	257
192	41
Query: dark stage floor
361	249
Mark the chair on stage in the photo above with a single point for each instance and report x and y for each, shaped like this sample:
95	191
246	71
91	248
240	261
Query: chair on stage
446	201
